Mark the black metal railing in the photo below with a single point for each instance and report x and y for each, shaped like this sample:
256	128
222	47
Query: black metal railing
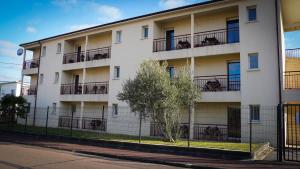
71	88
292	80
292	53
32	90
218	83
216	132
68	122
30	64
156	131
216	37
73	57
97	54
94	123
172	43
95	88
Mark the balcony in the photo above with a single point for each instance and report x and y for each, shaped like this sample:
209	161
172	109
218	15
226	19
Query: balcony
292	53
32	90
292	80
74	57
97	124
172	43
219	88
31	66
91	91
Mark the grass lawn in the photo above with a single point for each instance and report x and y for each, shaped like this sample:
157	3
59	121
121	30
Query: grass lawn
132	139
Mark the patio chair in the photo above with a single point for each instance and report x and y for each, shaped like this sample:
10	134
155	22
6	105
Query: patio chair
210	41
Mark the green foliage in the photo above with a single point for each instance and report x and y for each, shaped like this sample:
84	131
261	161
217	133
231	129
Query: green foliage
10	106
153	94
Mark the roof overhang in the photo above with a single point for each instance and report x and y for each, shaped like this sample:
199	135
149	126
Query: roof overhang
291	14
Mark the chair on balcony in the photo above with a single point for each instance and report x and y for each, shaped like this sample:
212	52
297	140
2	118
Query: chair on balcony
214	85
97	56
102	89
210	41
95	88
183	45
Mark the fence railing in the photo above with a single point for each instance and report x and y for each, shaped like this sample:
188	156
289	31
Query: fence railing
71	88
218	83
30	64
292	53
292	80
88	88
172	43
97	54
68	122
216	37
94	124
32	90
73	57
96	88
157	132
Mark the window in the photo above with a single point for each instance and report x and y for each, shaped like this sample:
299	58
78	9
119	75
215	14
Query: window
251	13
44	51
56	78
253	61
118	36
145	32
171	71
12	92
117	72
254	113
298	118
53	108
58	48
115	109
41	78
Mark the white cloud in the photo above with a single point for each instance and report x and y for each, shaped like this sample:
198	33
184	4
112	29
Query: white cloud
30	29
78	27
109	13
8	49
66	4
167	4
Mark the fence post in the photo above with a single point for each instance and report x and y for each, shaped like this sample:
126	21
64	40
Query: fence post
27	111
189	132
140	129
71	129
279	133
250	136
47	121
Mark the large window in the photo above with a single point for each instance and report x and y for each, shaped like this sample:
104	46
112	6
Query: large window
233	35
254	113
233	76
251	13
171	71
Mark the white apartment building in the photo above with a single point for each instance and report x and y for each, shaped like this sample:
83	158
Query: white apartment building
234	48
10	88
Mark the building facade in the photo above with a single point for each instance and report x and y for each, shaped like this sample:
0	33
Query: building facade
11	88
234	49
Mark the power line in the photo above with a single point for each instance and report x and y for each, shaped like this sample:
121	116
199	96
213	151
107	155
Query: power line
7	63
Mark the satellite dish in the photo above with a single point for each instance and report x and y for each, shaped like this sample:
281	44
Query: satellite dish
20	51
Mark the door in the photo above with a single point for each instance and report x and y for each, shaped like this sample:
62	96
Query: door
78	53
170	40
76	84
233	72
233	31
234	122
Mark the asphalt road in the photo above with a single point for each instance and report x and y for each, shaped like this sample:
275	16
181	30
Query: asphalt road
17	156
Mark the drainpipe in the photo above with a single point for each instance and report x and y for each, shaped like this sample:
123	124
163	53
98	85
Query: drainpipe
278	53
37	84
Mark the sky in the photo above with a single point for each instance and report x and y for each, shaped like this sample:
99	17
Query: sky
28	20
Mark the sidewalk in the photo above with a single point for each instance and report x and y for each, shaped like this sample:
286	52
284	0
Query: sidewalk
167	159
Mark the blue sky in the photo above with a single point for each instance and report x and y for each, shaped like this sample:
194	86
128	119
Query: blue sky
28	20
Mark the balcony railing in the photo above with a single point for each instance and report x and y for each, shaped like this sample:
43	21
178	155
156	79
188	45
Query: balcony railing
73	57
68	122
292	80
156	131
97	54
94	124
96	88
293	53
32	90
88	88
71	88
216	37
218	83
30	64
173	43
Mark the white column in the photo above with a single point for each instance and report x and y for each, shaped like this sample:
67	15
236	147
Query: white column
192	29
22	75
81	114
86	46
192	108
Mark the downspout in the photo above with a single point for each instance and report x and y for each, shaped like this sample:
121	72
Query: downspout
37	84
278	53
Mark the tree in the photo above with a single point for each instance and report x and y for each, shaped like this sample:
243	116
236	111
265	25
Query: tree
151	94
10	106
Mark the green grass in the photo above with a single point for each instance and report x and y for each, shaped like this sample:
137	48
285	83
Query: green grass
133	139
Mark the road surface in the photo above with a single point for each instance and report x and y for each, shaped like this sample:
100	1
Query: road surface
17	156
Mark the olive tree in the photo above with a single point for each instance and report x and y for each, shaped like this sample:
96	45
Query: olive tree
10	106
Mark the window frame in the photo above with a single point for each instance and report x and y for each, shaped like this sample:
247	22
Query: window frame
41	78
58	49
249	8
117	72
115	109
44	51
250	63
119	36
56	77
253	109
145	27
54	107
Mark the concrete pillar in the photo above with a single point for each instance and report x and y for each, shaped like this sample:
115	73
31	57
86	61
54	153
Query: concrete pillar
86	46
22	76
81	114
192	29
192	108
